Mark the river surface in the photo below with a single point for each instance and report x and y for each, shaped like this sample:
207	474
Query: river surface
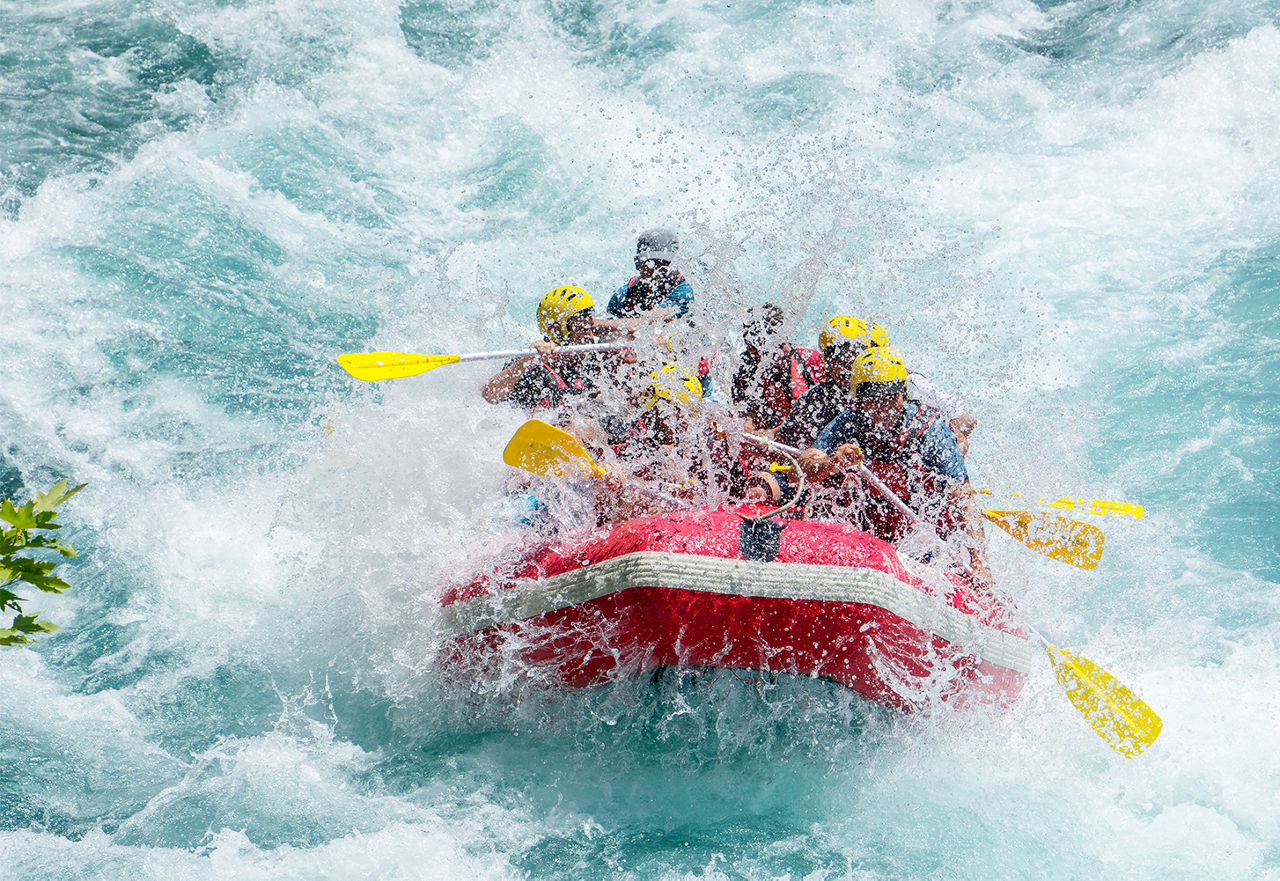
1064	213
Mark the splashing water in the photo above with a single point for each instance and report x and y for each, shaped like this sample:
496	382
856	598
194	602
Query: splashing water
1063	213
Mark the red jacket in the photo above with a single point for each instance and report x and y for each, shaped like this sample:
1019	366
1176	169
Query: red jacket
767	393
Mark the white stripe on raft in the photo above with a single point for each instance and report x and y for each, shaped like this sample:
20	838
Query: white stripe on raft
748	578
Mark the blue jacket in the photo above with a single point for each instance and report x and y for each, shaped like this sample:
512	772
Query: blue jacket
934	444
631	299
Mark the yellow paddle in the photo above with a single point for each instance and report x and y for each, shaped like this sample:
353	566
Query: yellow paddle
1119	716
544	449
541	448
1059	538
372	366
1097	507
1116	714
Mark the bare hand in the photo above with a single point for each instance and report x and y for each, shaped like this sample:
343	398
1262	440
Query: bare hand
613	479
813	461
981	577
961	426
847	456
544	347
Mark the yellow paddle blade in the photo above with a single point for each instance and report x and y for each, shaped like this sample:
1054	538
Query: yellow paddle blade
546	450
371	366
1062	539
1097	507
1119	716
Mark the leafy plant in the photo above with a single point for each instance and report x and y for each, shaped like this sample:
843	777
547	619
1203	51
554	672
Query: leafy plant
28	530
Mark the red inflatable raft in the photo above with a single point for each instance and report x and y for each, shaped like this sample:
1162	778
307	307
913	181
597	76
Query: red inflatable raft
700	588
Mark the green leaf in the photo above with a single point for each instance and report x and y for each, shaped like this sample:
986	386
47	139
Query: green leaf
47	583
26	522
22	626
44	541
57	494
21	567
30	624
19	518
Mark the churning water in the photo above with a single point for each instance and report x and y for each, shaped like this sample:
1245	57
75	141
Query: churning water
1064	212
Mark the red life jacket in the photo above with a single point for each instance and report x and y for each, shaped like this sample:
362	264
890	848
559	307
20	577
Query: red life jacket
549	400
804	370
898	464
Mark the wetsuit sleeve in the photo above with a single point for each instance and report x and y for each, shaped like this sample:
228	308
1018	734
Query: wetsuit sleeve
838	431
680	298
938	454
615	302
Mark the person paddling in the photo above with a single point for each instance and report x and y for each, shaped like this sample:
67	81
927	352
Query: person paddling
907	446
660	294
842	340
544	379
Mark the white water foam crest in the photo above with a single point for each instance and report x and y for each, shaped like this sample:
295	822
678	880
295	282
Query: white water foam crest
1085	202
1187	159
397	851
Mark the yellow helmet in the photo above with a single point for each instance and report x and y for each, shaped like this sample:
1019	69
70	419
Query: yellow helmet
846	327
671	382
881	368
556	308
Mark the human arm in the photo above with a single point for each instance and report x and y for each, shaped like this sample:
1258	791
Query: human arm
818	465
835	448
502	384
962	426
941	456
961	422
608	330
962	501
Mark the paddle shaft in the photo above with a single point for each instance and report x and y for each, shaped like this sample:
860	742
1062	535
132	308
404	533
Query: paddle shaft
1052	552
565	350
862	469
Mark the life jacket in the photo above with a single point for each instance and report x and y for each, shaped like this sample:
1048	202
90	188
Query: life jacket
897	462
642	295
559	387
628	436
803	371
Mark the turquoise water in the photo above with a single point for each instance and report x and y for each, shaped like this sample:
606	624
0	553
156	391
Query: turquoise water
1063	212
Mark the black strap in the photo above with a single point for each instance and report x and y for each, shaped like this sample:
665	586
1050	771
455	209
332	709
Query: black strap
804	371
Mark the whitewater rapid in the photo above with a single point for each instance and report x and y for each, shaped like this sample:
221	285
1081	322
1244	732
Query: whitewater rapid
1063	213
